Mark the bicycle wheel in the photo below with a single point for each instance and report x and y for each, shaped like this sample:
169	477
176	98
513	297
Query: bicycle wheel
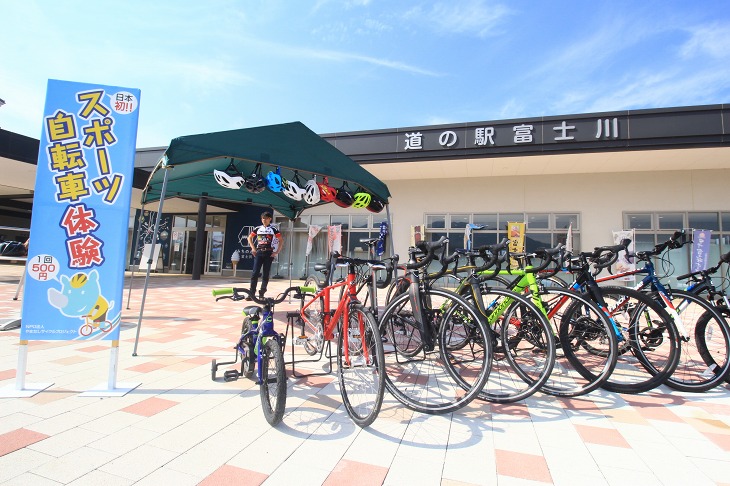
312	331
649	334
703	357
273	382
586	336
522	343
397	287
360	365
445	378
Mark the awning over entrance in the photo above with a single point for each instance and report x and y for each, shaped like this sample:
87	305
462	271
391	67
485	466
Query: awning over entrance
191	160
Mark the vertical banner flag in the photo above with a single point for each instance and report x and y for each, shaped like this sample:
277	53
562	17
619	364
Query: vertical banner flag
416	234
80	213
313	231
469	234
516	235
569	239
382	237
700	249
334	238
624	262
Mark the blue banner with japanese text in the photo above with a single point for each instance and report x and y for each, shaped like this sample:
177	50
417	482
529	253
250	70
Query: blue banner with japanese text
78	232
700	249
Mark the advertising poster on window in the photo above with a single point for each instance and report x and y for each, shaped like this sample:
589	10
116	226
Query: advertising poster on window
700	249
625	263
80	216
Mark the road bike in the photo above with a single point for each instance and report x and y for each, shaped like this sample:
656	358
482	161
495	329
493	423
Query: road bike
704	335
360	361
438	351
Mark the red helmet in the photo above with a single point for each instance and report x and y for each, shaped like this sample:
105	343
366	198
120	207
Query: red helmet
327	193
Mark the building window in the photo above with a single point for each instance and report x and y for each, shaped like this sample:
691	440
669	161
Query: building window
542	229
657	227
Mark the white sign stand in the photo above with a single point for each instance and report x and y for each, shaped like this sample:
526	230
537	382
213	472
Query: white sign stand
111	388
21	389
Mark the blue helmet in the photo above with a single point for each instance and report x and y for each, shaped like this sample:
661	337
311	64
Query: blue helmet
274	182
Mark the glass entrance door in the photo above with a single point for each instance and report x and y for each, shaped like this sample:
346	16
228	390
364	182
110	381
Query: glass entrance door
177	252
214	253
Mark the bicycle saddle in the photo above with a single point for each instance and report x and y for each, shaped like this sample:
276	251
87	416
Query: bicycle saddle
252	310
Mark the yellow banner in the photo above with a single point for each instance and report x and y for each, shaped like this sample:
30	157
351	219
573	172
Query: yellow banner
516	235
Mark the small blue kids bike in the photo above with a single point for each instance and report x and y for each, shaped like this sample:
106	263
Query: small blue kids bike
260	347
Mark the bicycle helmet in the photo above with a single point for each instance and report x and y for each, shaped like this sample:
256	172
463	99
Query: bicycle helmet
376	205
255	183
361	199
274	181
327	193
343	198
292	190
230	178
311	191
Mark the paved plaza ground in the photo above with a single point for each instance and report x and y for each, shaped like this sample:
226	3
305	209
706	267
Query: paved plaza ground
180	427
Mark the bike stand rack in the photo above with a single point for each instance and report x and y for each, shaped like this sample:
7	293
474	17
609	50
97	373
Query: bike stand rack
292	319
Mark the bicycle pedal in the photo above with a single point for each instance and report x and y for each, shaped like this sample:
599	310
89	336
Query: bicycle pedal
300	340
231	375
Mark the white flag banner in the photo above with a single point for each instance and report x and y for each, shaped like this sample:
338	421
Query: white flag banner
624	263
313	231
334	238
569	239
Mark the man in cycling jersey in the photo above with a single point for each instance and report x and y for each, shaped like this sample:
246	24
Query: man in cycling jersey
261	240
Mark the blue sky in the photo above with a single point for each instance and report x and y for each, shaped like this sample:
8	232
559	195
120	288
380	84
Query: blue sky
363	64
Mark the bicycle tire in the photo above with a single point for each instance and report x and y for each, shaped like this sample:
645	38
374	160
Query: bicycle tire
313	328
273	382
361	376
703	356
514	379
397	287
586	336
248	360
440	380
651	339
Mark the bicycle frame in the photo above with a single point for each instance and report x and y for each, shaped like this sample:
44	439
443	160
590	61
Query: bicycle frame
330	320
260	329
652	281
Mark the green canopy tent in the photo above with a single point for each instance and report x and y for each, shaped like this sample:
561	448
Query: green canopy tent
186	171
292	147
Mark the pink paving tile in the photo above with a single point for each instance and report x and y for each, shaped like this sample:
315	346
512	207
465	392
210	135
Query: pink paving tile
355	473
523	466
150	407
94	349
651	409
713	408
601	435
145	367
656	399
19	438
7	374
233	476
316	381
514	409
209	349
579	405
721	440
199	360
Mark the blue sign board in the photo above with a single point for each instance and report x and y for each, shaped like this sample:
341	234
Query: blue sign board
700	249
76	258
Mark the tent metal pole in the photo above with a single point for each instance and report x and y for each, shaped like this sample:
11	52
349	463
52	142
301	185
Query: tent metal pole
149	263
291	246
134	258
390	243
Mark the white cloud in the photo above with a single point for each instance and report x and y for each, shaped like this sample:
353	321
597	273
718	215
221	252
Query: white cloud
475	17
712	40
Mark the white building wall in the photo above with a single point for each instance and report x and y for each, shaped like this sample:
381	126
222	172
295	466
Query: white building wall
600	199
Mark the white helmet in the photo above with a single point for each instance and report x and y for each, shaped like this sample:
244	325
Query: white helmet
311	191
292	190
228	181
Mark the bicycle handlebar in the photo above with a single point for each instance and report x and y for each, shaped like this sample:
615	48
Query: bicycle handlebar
429	248
233	293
